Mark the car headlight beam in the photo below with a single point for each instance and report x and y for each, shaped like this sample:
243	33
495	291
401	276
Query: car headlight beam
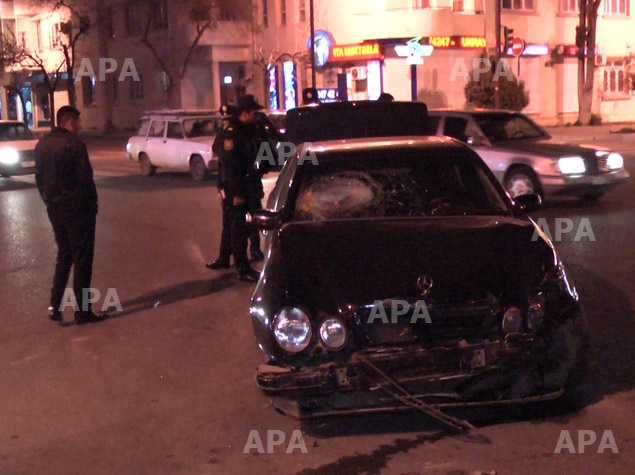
292	329
9	156
571	165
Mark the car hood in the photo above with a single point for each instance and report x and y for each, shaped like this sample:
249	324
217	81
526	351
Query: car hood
330	265
547	148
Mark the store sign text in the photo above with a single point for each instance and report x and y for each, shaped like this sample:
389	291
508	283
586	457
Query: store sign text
355	52
466	42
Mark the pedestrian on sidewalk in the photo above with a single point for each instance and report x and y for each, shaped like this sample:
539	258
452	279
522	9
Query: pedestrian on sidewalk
64	178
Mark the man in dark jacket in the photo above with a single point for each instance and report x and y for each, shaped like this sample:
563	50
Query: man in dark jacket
238	155
64	177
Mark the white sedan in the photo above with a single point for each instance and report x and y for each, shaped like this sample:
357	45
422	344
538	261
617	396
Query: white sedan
17	148
178	140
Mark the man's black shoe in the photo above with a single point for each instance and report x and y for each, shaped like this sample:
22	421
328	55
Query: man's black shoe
257	255
218	264
248	275
89	317
55	315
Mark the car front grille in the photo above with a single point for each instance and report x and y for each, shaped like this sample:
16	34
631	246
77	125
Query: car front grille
447	322
603	164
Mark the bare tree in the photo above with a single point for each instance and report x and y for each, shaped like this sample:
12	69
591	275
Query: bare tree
585	41
189	20
15	54
73	30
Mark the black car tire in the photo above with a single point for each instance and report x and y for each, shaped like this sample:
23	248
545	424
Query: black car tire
198	170
146	166
525	174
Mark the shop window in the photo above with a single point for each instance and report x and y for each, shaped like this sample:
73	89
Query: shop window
616	7
88	90
518	5
569	6
265	14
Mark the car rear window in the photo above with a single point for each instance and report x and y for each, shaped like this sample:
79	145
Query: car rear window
10	132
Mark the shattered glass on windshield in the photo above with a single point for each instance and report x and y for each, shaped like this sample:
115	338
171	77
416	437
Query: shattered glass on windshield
435	186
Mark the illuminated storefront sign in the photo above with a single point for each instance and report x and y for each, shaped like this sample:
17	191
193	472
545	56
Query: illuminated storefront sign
323	43
358	52
273	88
461	42
290	90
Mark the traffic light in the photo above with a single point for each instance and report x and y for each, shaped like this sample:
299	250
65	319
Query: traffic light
508	37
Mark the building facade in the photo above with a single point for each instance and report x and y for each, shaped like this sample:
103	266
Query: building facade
363	49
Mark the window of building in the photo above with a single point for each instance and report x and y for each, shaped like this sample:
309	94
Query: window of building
569	6
616	7
519	5
136	87
265	14
283	12
133	19
302	10
421	4
457	5
88	90
616	79
159	12
109	23
56	36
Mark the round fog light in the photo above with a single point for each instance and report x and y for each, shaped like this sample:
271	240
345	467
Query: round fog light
333	333
512	320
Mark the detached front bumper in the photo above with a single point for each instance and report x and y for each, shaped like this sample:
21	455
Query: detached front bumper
520	368
578	185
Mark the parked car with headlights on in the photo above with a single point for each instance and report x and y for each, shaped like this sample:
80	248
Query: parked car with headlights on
17	148
176	140
421	222
523	157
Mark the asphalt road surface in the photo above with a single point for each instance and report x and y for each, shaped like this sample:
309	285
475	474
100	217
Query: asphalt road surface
167	385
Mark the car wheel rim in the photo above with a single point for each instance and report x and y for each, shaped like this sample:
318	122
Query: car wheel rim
520	185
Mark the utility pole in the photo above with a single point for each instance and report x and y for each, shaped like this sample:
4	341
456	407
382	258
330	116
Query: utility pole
312	21
497	92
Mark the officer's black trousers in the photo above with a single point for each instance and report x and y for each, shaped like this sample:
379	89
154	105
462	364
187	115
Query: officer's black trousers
226	233
75	237
239	236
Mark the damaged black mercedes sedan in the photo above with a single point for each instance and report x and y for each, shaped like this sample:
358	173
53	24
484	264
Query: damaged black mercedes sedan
400	275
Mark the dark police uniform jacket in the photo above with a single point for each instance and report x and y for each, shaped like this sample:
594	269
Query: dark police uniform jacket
63	172
238	175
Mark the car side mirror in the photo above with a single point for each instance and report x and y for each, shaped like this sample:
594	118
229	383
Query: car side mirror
263	219
525	204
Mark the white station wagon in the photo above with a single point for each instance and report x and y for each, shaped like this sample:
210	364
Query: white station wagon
177	140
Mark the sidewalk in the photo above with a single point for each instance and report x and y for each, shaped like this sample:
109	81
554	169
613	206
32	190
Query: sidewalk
591	133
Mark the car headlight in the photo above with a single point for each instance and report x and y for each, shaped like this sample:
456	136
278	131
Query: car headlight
292	329
571	165
512	320
333	333
615	161
9	156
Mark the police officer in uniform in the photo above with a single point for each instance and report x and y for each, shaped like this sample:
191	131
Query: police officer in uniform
241	143
64	178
